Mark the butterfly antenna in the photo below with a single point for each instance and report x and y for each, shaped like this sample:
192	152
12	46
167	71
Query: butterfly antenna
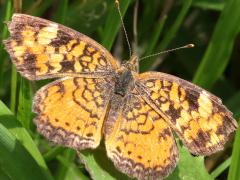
124	29
135	33
167	51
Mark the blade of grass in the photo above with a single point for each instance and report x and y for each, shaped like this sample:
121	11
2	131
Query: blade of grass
9	122
4	175
87	16
144	65
156	34
188	167
13	89
210	5
222	167
220	47
148	16
37	9
233	103
176	25
99	165
68	158
53	153
17	8
113	23
74	173
4	36
24	114
168	37
234	172
15	159
61	11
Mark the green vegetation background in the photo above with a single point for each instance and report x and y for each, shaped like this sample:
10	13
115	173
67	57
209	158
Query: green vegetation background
213	25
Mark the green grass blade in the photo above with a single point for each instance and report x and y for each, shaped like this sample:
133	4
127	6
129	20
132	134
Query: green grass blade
53	153
222	167
37	9
15	159
234	172
220	47
233	103
25	103
87	16
13	89
145	64
61	11
4	36
156	34
4	175
148	15
189	167
9	122
168	37
67	158
209	5
113	23
75	173
176	25
99	165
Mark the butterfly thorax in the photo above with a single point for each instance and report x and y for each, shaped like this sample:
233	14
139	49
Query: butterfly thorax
123	82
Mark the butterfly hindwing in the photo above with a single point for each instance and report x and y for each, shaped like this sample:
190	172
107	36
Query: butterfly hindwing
71	111
138	140
198	117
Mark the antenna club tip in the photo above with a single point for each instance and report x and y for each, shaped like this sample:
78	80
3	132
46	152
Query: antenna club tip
190	45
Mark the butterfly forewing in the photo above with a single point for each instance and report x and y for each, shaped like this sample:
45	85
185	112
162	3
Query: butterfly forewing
44	49
198	117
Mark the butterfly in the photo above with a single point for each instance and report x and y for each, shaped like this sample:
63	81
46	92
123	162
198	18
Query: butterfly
96	97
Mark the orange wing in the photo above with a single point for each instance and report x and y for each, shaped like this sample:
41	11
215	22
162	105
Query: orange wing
43	49
198	117
138	140
71	111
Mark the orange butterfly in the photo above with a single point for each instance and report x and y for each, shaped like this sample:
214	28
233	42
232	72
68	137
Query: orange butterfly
95	96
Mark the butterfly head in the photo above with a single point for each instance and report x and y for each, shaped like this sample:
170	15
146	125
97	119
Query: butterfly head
132	64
